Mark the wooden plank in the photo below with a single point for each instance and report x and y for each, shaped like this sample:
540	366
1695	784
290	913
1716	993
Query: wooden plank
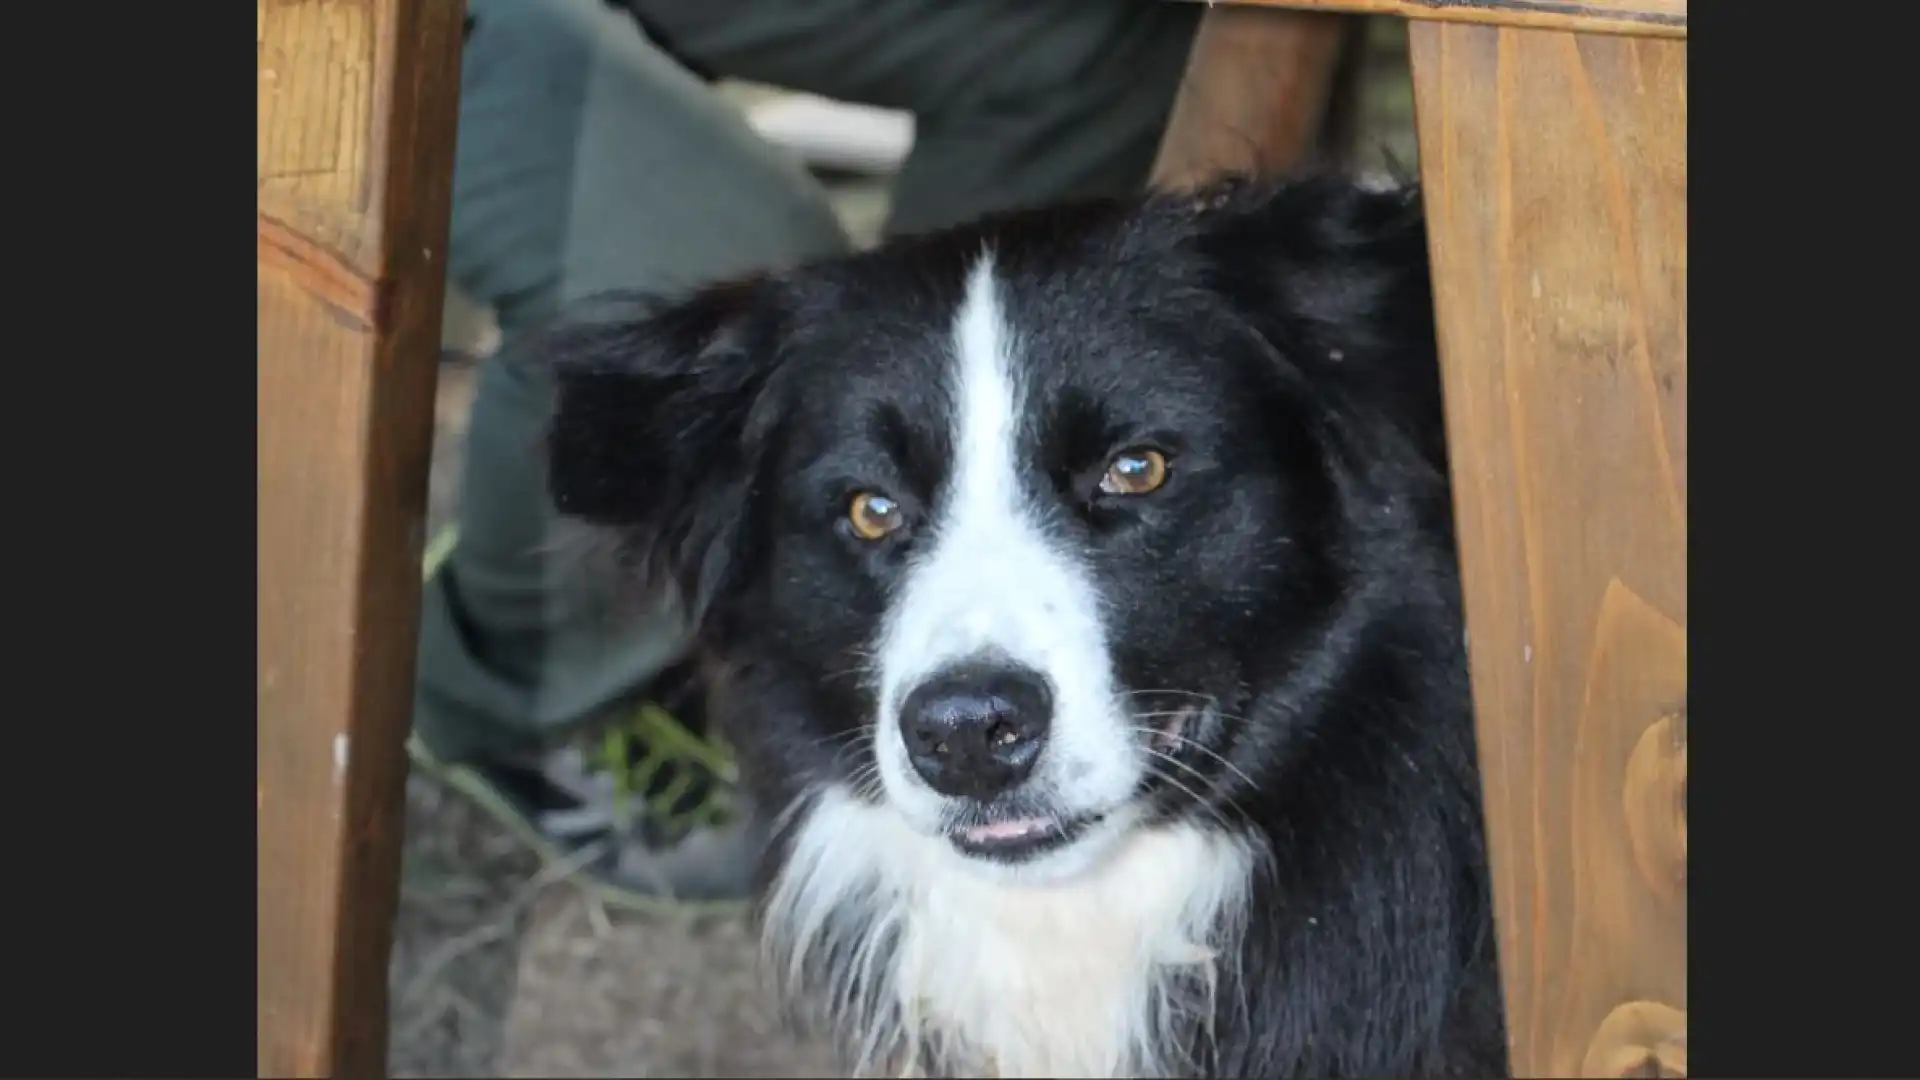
356	114
1556	180
1255	95
1634	18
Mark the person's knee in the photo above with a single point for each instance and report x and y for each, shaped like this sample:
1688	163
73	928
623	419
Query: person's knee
523	92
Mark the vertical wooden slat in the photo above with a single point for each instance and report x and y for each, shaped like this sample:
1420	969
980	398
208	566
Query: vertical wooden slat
356	106
1555	172
1256	92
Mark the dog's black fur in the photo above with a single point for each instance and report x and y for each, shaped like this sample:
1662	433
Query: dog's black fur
1299	570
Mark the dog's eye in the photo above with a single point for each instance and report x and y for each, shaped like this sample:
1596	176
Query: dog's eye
1135	472
872	515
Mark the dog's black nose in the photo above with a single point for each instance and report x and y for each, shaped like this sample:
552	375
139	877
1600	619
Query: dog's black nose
975	732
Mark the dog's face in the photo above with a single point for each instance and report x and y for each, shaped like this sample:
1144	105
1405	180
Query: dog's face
1005	528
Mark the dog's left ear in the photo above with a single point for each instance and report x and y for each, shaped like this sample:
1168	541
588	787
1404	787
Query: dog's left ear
652	431
1334	276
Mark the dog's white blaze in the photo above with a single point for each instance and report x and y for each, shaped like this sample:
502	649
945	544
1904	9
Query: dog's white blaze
993	580
1066	978
1068	966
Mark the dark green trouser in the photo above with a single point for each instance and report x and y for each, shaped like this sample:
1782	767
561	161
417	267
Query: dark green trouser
589	161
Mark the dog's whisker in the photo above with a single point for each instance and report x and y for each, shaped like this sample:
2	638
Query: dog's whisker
1200	803
1168	713
1203	778
850	735
860	671
1181	740
1182	693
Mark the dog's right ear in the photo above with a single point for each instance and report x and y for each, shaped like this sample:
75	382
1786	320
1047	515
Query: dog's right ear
651	431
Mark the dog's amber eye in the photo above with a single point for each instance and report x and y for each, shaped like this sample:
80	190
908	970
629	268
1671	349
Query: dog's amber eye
1135	472
873	515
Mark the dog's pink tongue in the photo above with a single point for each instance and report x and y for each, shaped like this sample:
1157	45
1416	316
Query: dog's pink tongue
1006	830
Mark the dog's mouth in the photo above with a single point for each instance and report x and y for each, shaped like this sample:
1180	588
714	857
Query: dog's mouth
1019	839
1021	830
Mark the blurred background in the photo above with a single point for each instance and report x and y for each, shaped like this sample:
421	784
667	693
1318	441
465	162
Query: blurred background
498	970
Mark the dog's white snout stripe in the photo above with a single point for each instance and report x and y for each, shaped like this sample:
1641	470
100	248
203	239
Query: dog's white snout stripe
995	581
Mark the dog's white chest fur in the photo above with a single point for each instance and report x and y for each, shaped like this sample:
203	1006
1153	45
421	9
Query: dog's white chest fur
1086	977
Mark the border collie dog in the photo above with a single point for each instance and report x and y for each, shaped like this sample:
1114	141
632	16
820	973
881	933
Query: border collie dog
1081	591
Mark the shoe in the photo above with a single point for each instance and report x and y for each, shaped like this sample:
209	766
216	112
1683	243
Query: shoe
638	809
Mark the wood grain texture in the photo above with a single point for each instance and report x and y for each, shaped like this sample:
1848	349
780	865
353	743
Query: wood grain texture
1255	95
356	104
1634	18
1556	185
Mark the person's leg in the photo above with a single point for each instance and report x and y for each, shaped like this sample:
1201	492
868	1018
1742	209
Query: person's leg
1016	102
587	161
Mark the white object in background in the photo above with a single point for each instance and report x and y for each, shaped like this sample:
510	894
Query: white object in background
835	134
467	326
